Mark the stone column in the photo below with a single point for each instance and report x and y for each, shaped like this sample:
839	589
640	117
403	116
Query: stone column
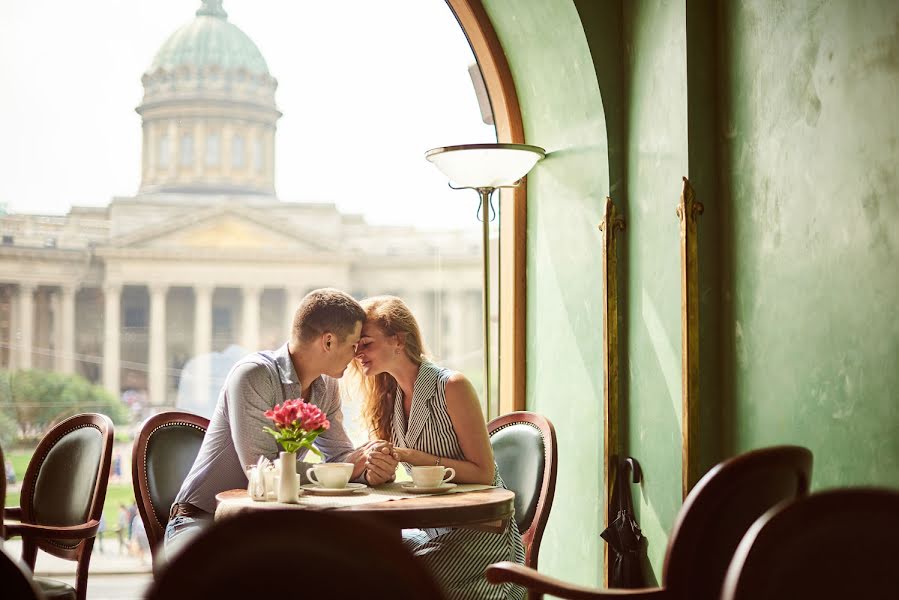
12	347
156	375
112	324
26	324
250	318
174	149
199	133
202	342
65	356
293	296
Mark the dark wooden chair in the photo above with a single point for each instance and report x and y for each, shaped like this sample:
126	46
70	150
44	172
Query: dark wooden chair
262	555
840	543
715	516
162	455
16	582
524	446
62	498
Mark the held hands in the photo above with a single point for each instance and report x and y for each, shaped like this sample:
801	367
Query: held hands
380	462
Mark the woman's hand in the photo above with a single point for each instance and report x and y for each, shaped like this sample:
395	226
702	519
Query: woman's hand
380	462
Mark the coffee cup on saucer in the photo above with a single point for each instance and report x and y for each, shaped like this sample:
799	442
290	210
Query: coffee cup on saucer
432	476
333	476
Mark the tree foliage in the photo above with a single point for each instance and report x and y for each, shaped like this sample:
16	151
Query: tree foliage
37	400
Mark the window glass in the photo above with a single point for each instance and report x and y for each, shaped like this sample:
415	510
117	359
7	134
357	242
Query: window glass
186	152
237	152
213	152
162	273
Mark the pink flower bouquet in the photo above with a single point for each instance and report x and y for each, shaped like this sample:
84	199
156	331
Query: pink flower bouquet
297	423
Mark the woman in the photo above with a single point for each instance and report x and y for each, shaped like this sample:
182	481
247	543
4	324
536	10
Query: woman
432	416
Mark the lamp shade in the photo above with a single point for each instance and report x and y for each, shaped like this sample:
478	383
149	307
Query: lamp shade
485	165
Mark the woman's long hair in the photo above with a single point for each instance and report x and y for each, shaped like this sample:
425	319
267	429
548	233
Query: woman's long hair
391	315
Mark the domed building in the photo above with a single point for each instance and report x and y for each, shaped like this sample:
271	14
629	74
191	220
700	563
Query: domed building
157	293
209	111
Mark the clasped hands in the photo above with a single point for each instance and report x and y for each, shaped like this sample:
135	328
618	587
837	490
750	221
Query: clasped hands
380	462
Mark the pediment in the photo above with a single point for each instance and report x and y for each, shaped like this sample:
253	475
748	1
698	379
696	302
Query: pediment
238	229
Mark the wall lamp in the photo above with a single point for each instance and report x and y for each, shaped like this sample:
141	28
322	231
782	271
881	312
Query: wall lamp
485	167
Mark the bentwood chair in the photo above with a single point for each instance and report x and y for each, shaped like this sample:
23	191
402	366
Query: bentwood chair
258	554
524	447
714	517
62	498
839	544
165	450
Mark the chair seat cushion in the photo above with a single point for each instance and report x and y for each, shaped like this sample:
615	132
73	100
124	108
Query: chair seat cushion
52	588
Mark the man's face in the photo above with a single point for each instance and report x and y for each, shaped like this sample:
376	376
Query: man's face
343	351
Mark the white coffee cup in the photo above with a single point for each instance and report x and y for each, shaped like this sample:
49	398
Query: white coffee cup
432	475
331	475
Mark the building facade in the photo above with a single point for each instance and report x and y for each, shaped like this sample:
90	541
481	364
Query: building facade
159	292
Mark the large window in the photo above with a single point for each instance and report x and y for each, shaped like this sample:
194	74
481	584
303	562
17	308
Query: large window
309	172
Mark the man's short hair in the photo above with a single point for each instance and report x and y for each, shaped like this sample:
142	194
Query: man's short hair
326	310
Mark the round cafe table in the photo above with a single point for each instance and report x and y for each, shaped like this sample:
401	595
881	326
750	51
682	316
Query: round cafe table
479	508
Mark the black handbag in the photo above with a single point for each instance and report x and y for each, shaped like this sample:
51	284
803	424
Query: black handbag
625	539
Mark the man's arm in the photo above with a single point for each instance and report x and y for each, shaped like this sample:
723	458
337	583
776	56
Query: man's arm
250	393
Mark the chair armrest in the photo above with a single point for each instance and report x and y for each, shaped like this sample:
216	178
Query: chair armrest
509	572
12	512
53	532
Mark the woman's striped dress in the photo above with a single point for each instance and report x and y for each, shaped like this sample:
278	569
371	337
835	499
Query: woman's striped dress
456	557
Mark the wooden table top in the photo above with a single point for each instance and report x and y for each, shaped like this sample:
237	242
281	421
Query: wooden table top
444	510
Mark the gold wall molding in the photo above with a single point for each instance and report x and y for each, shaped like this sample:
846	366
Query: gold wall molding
610	226
688	211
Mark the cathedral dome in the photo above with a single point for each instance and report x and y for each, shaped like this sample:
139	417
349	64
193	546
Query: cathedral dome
208	111
210	40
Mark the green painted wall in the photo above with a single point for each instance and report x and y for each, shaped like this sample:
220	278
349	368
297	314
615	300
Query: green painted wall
784	116
656	108
563	113
811	116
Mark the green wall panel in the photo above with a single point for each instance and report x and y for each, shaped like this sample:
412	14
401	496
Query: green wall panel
562	112
655	67
811	117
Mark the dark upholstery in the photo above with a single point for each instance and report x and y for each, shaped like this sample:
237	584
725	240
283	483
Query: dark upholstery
170	456
284	553
62	498
15	580
524	447
519	453
164	452
64	487
840	543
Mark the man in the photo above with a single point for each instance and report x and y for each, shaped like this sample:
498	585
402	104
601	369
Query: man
326	329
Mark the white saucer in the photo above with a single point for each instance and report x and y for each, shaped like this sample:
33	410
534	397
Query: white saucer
351	488
439	489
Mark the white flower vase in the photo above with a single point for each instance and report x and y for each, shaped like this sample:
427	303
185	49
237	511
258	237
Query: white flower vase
287	478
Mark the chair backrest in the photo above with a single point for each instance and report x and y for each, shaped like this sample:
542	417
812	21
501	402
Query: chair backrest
524	447
721	508
835	544
257	554
66	479
165	450
17	582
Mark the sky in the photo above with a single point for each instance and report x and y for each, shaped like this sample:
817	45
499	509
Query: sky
365	87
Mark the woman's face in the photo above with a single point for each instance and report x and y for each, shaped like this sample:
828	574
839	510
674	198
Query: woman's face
376	351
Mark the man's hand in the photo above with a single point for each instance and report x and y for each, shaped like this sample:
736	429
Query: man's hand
380	462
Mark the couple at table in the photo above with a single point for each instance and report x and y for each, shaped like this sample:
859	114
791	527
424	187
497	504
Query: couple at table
418	413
